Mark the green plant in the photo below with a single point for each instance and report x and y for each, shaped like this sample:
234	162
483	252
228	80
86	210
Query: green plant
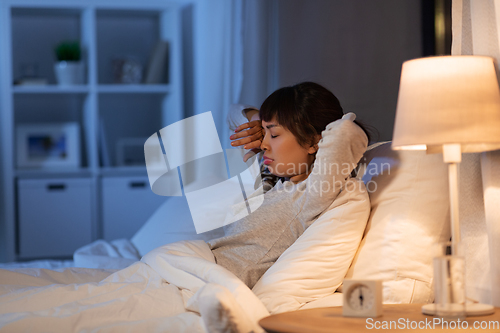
68	51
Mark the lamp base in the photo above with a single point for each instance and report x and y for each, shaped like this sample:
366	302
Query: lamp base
471	309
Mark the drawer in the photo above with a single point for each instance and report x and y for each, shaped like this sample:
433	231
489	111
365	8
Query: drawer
127	203
55	216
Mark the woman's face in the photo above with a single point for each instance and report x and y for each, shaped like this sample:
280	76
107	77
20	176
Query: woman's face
283	155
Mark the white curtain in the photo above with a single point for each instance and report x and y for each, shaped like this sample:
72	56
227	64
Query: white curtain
260	51
476	31
231	62
233	56
218	58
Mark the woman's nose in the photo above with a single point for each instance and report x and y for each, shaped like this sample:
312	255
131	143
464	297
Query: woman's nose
264	144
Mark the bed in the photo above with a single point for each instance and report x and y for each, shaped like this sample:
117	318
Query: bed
144	285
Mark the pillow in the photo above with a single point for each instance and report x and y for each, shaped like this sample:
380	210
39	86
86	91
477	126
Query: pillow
409	213
316	263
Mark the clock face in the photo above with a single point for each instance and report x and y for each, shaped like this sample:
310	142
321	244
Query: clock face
361	297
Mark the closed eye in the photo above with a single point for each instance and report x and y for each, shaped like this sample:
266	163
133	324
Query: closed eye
267	131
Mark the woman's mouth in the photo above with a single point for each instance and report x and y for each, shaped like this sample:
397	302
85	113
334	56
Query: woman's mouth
267	160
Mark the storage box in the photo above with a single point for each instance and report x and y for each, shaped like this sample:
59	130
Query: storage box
55	216
128	202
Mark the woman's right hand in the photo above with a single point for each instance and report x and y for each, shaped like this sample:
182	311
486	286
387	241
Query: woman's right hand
250	135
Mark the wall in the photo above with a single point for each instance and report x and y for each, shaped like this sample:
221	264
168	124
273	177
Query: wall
355	48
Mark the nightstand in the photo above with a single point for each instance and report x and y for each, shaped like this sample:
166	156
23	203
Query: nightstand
401	316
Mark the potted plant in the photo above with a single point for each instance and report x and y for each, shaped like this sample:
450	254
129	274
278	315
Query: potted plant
69	68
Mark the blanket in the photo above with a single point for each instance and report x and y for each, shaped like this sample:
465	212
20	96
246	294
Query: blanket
175	288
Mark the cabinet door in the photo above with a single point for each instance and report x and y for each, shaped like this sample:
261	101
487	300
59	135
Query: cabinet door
54	217
128	202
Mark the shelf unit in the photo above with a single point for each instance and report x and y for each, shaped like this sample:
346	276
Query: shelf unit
107	113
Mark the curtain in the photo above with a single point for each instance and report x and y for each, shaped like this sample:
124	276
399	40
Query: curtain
218	58
228	59
233	56
260	51
476	31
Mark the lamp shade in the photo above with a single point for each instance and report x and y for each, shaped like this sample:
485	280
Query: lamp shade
448	100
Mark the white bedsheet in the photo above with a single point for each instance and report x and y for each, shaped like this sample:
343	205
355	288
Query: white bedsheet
174	288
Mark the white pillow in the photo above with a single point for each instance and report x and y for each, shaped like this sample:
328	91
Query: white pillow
409	214
315	265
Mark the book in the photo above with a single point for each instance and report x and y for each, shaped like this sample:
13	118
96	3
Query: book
158	64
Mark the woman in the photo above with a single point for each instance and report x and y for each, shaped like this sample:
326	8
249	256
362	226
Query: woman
313	150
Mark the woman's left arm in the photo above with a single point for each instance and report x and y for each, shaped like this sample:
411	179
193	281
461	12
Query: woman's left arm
342	145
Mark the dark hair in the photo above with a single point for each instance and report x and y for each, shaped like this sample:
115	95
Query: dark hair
304	109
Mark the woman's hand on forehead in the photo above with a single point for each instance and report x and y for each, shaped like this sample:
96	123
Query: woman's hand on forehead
249	135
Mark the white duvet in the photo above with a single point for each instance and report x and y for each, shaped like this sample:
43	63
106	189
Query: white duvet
175	288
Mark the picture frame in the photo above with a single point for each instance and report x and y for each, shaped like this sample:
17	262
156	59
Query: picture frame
48	145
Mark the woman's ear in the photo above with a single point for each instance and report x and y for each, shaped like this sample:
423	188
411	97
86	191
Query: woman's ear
314	148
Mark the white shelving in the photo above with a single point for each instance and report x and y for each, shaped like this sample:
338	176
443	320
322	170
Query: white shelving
102	88
106	30
50	89
134	88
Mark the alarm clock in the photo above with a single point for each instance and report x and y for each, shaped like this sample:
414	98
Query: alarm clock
362	298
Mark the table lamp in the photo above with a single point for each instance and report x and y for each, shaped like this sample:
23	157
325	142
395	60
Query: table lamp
449	105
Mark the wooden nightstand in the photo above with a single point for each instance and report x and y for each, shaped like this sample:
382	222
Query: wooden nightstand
402	316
